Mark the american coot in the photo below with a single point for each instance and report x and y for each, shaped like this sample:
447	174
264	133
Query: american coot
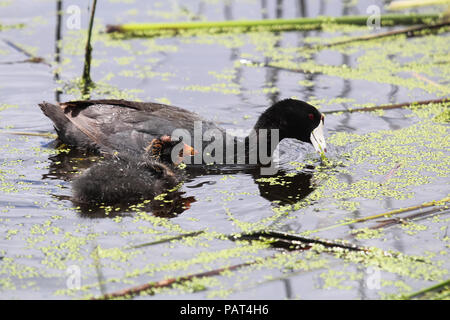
128	178
130	126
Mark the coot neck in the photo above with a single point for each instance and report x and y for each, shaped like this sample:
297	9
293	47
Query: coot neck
262	140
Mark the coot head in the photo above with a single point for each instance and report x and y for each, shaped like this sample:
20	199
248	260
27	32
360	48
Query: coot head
295	119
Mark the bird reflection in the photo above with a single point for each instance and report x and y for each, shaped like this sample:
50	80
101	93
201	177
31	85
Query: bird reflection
284	188
68	163
281	188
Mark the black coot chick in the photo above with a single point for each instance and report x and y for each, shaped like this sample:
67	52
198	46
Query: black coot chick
130	126
128	178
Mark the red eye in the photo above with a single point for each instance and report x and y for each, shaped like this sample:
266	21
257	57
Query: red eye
311	117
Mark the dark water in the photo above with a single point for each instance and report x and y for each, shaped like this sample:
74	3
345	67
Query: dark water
43	236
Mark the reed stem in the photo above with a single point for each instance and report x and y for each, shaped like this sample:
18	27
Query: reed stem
385	214
87	81
271	24
407	4
432	288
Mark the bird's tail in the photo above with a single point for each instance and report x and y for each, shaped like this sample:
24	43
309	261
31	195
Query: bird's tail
56	114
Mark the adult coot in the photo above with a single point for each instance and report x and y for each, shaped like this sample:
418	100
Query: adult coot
130	126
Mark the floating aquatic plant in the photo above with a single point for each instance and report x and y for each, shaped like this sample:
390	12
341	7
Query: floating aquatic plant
152	29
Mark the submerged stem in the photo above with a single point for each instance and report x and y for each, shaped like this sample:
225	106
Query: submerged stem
440	285
380	215
390	106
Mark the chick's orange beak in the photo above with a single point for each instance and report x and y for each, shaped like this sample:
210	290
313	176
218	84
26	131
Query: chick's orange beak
188	150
